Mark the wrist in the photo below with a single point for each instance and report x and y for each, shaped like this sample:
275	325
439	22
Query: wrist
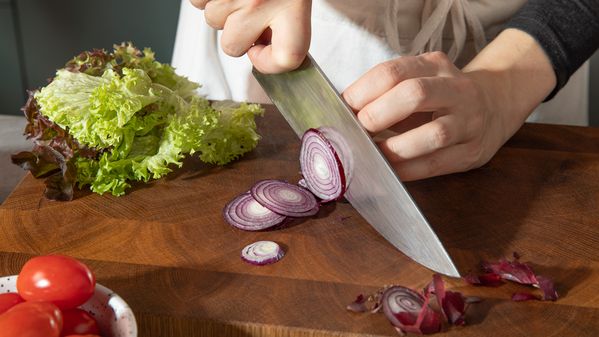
515	76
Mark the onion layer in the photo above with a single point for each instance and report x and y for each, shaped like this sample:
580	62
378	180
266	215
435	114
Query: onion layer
321	166
262	252
409	311
244	212
284	198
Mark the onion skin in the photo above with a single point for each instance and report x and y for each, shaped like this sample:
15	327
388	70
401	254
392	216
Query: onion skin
514	271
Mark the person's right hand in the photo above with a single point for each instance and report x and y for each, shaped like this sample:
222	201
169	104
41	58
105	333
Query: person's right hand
274	33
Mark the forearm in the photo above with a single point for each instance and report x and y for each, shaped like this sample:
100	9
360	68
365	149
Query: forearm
568	31
515	76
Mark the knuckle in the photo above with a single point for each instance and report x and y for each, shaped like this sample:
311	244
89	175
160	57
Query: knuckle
392	70
201	4
433	167
441	136
368	120
210	21
289	60
230	47
475	157
437	57
417	91
253	4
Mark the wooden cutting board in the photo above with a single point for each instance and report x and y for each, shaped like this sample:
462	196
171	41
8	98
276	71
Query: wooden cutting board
166	250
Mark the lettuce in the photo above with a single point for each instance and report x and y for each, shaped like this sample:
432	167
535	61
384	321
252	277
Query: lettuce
109	119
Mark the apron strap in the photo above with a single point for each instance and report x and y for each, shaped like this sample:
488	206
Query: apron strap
434	18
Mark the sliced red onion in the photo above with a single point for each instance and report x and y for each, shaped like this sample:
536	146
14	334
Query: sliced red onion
487	280
371	303
321	166
244	212
452	303
522	273
520	297
512	271
284	198
343	150
302	183
548	288
262	252
359	305
409	311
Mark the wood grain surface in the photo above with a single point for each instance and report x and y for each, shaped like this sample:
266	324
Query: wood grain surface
166	250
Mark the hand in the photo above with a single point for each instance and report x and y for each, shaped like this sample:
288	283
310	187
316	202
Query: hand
450	120
274	33
445	120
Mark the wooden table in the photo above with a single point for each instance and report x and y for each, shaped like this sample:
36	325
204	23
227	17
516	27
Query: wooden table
166	249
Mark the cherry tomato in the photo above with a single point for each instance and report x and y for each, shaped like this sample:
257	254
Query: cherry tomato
9	300
31	319
59	279
77	321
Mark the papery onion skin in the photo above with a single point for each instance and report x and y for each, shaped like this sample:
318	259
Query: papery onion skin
238	213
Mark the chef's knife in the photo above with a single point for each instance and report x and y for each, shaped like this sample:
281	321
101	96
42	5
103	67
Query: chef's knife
307	99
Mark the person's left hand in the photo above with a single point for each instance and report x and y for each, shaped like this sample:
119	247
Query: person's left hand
446	121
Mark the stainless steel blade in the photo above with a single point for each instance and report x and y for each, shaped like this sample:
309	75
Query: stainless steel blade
307	99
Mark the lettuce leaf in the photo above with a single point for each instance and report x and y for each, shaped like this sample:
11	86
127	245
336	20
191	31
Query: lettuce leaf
126	117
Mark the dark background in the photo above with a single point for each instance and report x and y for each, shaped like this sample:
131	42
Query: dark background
39	36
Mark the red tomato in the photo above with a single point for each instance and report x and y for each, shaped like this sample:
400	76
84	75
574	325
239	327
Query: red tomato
77	321
59	279
82	336
31	319
9	300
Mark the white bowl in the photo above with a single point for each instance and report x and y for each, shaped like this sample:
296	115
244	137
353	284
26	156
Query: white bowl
112	313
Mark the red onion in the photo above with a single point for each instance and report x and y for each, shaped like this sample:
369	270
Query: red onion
321	166
452	303
409	311
244	212
519	272
284	198
262	252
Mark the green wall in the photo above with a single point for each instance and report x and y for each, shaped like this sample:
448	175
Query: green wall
47	33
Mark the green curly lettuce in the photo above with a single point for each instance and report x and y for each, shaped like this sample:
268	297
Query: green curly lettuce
124	117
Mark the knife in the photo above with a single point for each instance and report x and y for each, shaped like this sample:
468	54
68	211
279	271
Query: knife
307	99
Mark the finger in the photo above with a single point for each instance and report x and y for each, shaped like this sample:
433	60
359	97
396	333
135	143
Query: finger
201	4
289	43
404	99
458	158
240	32
443	132
217	11
385	76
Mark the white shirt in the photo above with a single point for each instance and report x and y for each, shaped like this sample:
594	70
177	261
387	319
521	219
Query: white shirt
348	38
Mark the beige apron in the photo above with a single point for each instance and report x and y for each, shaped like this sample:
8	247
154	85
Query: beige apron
351	36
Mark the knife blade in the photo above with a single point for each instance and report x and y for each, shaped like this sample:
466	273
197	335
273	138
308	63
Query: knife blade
307	99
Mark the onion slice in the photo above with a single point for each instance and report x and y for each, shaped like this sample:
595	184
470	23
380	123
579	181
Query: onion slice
321	166
244	212
285	198
262	252
409	311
